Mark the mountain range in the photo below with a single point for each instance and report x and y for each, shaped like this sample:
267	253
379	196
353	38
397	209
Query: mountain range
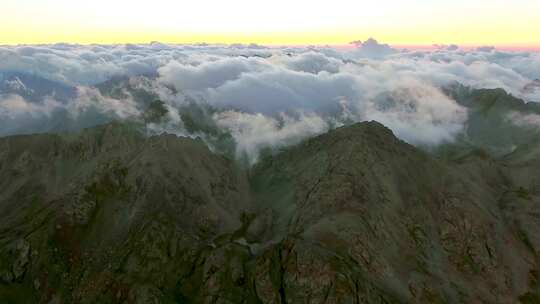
108	215
107	212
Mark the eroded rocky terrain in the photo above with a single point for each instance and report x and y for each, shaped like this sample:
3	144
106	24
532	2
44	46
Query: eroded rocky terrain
355	215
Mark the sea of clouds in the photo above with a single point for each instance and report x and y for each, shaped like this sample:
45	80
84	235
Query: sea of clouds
264	97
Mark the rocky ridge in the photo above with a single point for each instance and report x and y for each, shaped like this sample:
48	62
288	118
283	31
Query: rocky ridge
355	215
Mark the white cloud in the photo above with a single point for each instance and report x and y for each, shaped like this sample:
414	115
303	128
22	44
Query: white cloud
271	97
90	99
18	115
254	132
15	106
524	120
371	48
419	114
210	74
312	62
282	90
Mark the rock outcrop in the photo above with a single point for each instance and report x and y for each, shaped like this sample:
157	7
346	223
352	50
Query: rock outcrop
352	216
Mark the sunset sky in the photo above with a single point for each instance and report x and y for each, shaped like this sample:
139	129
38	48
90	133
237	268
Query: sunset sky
414	22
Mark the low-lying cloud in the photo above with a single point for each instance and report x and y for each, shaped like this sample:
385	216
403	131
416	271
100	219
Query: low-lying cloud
255	132
263	97
529	120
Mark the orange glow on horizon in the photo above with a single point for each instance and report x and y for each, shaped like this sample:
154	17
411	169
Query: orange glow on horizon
416	23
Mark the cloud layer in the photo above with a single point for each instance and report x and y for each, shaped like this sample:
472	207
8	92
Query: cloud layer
262	97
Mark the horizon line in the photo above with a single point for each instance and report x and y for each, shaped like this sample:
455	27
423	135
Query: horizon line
350	45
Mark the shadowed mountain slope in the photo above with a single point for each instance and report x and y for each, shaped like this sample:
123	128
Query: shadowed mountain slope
351	216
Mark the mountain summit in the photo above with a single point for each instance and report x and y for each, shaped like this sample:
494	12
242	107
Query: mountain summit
355	215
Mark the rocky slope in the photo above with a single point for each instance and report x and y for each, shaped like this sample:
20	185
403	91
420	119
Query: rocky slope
497	123
351	216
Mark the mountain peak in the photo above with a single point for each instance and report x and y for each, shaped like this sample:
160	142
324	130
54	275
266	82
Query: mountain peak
163	219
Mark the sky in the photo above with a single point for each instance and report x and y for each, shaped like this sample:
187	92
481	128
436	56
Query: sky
279	22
